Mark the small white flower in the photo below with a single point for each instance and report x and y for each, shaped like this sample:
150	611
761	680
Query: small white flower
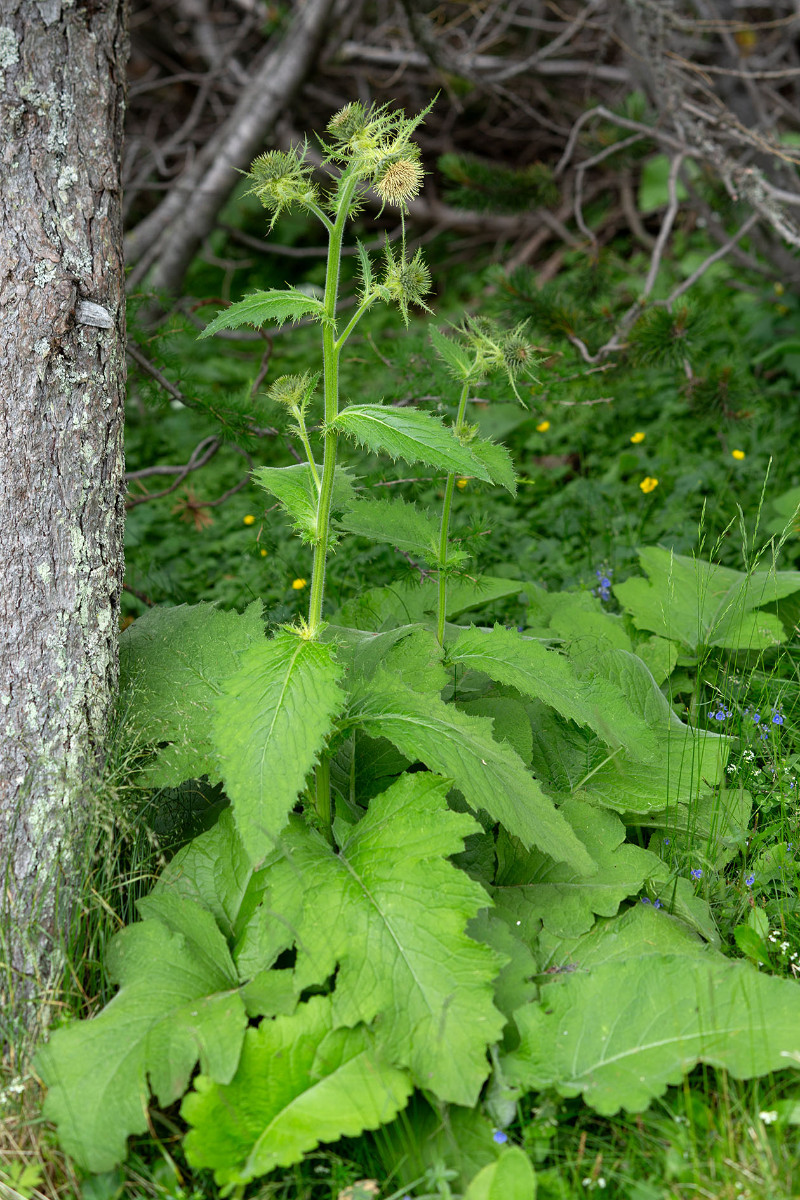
768	1117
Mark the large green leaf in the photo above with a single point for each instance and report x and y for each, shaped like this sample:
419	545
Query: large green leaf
173	662
619	1033
296	490
408	601
177	1003
330	1084
510	1178
411	652
411	434
545	675
271	724
461	747
702	604
215	871
261	307
688	763
638	933
531	889
396	522
388	916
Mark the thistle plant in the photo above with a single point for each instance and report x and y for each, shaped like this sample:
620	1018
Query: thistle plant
412	890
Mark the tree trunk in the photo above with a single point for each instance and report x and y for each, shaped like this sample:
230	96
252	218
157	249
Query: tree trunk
62	373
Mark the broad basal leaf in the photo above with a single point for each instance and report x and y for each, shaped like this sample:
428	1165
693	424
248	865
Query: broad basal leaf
177	1003
271	723
395	522
510	1178
329	1084
531	889
388	916
620	1033
173	662
702	604
687	764
490	775
411	434
511	721
215	871
407	602
514	985
410	651
638	933
545	675
259	308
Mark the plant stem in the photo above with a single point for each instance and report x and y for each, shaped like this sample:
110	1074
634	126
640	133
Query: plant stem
445	527
330	356
303	432
330	359
366	303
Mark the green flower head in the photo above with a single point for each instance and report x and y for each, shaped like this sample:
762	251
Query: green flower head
405	280
281	179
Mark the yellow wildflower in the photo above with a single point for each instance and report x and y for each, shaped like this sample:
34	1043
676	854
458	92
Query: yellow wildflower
543	427
461	483
638	437
263	554
298	584
648	484
738	454
249	519
779	289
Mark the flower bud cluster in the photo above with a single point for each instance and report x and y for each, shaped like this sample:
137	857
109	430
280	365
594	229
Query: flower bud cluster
377	144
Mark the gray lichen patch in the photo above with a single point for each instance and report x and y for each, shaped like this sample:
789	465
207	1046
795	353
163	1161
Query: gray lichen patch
9	48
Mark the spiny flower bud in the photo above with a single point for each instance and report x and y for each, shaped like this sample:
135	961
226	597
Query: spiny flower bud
281	179
518	354
400	181
348	123
293	391
406	280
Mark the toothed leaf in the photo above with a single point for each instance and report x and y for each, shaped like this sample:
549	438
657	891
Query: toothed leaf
409	434
271	723
259	308
330	1084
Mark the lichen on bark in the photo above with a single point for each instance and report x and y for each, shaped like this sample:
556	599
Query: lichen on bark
61	466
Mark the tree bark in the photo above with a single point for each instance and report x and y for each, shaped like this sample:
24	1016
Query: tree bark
62	373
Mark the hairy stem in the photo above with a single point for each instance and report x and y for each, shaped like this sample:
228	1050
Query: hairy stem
330	355
445	527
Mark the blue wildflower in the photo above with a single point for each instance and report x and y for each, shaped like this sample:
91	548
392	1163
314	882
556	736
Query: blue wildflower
756	718
500	1137
749	880
696	873
645	899
657	904
603	589
666	841
777	718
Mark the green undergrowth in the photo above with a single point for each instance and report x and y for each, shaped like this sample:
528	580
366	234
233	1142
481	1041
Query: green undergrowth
447	847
